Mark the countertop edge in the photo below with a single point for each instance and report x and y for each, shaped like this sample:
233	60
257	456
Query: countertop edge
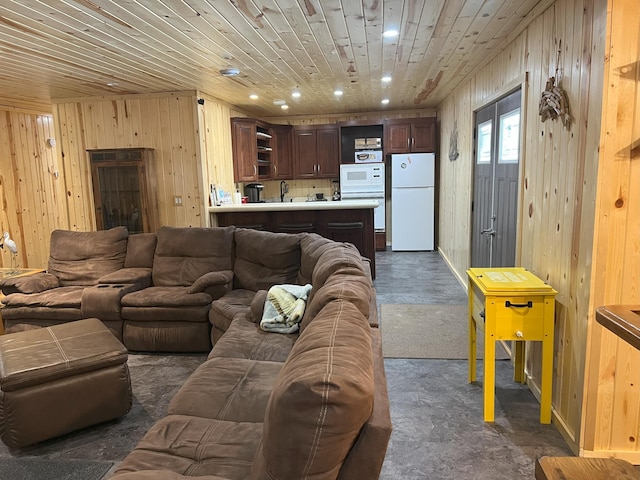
292	206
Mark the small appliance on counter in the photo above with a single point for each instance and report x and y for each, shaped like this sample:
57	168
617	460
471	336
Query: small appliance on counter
253	191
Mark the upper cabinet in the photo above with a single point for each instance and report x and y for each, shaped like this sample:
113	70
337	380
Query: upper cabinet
282	153
316	151
261	151
410	135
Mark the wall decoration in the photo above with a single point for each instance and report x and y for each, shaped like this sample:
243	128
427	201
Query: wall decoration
554	103
453	143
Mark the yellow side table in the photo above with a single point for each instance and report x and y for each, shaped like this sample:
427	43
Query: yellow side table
511	304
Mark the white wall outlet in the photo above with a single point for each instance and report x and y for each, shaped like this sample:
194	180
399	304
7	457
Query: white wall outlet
177	200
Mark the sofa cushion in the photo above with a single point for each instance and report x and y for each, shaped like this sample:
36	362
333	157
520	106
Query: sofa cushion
312	246
81	258
355	289
321	399
245	339
264	259
232	389
195	447
342	257
183	255
141	249
165	297
226	308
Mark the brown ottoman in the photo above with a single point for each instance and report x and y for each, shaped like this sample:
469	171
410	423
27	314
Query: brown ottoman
58	379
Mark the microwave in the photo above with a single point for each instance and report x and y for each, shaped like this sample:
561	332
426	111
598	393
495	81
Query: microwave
368	156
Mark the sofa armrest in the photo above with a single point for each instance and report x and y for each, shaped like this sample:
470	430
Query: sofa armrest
215	284
257	305
140	277
35	283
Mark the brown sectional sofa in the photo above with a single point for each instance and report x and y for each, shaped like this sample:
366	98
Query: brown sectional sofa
263	405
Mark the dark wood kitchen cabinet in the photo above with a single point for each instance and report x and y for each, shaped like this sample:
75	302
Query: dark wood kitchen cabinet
261	151
316	151
410	135
282	155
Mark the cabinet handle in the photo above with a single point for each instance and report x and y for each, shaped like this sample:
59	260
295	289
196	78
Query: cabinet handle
255	170
508	304
345	225
318	169
275	168
409	143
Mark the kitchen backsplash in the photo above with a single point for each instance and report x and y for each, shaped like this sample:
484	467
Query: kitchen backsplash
298	189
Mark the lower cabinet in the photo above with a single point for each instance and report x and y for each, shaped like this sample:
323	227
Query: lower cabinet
351	225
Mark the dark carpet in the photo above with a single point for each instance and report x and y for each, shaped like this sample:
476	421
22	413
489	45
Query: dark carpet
38	469
154	379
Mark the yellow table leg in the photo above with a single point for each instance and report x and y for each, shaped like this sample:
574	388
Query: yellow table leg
489	384
547	362
472	338
518	368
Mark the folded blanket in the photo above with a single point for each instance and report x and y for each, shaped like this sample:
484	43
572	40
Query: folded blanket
284	308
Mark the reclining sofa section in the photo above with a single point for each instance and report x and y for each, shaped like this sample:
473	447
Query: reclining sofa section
312	404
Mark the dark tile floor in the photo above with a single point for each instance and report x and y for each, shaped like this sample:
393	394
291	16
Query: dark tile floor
437	416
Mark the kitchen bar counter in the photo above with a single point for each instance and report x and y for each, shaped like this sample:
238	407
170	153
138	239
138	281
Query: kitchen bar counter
343	221
295	206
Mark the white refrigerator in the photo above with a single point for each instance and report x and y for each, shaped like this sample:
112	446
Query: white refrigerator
412	201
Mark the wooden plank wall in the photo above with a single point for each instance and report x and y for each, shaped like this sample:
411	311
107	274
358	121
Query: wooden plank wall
167	123
558	174
214	135
612	390
32	193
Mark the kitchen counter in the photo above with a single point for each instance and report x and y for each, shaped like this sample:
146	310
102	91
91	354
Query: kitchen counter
343	221
295	206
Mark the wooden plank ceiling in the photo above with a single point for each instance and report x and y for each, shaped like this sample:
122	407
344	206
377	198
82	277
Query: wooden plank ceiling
59	49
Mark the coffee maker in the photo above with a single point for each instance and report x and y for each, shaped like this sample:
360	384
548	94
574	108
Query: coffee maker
253	190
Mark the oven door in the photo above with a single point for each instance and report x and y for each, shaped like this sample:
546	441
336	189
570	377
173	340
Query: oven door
379	213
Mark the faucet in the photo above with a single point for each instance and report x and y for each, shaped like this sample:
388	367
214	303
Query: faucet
284	188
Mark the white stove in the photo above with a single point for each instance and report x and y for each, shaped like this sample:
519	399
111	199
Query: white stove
365	181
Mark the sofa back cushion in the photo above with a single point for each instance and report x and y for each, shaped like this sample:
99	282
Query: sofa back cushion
185	254
141	248
264	259
81	258
320	400
312	246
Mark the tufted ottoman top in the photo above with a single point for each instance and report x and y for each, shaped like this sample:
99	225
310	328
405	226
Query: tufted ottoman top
39	356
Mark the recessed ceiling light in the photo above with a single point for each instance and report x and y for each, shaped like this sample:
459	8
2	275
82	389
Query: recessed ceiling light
337	93
385	101
390	33
295	94
386	78
229	72
253	96
112	84
284	107
279	102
